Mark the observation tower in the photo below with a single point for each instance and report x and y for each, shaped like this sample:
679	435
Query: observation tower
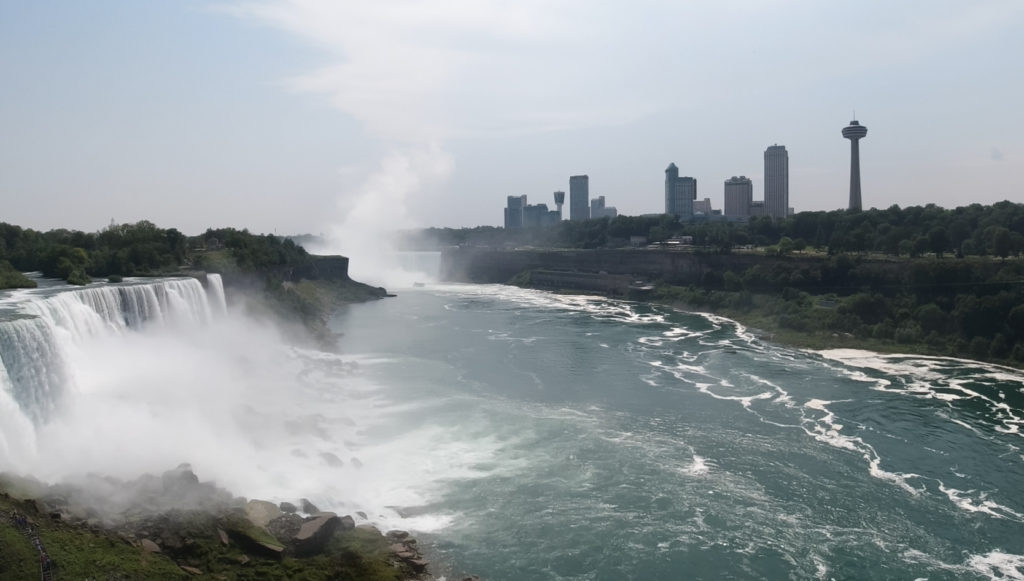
559	200
855	132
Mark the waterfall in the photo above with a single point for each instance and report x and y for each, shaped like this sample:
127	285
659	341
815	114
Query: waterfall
36	341
216	290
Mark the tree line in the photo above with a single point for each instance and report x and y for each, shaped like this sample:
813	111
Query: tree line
139	249
974	230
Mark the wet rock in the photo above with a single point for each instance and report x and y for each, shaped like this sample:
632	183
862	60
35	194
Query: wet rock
179	480
223	536
243	560
418	565
285	526
251	538
347	523
398	535
190	570
356	462
149	546
361	514
369	528
261	512
288	507
314	533
308	507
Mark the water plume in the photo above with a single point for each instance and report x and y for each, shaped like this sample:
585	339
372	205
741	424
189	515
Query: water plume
380	208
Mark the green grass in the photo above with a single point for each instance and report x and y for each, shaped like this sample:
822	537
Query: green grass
84	553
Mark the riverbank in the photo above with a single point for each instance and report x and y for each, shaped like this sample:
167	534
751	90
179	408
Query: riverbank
175	527
963	307
792	318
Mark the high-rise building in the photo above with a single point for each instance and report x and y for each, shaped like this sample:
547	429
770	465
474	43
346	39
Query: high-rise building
739	194
579	197
757	209
776	181
538	215
855	132
702	206
514	211
680	192
599	210
559	201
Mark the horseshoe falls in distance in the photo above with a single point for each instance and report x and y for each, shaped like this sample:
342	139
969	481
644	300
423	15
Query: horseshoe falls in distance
531	436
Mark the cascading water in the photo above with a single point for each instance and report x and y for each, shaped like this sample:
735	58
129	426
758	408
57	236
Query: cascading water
44	327
216	290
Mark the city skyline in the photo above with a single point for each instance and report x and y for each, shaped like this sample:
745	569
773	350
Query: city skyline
321	116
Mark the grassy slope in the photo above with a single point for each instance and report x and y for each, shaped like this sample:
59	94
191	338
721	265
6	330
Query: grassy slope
84	553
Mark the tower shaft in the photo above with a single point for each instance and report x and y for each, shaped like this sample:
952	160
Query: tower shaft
855	201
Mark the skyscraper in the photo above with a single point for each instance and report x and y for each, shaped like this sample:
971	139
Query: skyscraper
514	211
579	197
855	132
599	210
776	181
680	192
739	194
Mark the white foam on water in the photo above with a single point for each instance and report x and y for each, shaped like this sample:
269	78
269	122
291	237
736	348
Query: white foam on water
698	467
980	503
998	565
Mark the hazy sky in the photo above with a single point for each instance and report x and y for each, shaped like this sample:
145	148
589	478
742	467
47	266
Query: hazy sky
306	115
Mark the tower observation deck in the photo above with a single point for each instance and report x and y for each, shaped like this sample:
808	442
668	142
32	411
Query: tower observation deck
855	132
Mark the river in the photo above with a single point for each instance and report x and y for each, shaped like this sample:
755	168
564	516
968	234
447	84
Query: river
525	435
598	439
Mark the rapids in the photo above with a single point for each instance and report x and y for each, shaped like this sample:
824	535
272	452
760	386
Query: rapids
532	436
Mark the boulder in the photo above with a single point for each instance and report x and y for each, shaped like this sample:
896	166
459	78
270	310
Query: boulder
179	480
288	507
308	507
285	526
361	514
418	565
347	523
149	546
223	536
190	570
398	535
250	537
369	528
261	512
314	533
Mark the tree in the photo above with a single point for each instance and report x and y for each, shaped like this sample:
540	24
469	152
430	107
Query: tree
938	241
1002	243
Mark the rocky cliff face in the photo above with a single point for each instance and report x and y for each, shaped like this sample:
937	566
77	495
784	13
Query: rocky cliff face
483	265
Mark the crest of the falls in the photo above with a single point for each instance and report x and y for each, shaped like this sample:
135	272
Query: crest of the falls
46	326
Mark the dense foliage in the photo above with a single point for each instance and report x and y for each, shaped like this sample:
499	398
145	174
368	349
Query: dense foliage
972	307
140	249
975	230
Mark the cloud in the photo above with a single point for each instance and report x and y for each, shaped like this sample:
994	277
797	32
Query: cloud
996	154
416	72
